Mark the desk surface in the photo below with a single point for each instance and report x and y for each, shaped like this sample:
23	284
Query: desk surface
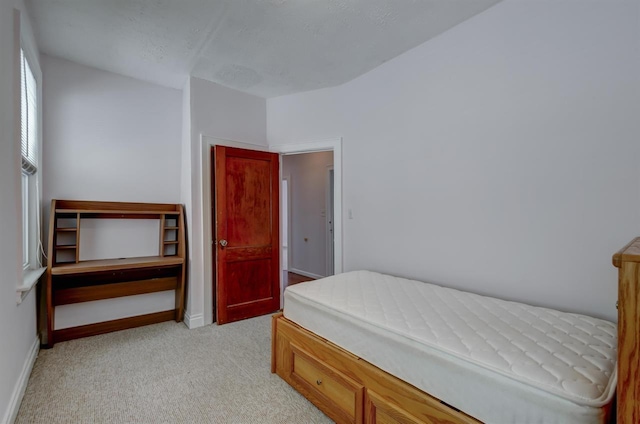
115	264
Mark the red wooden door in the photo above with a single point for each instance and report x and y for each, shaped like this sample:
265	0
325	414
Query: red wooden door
246	233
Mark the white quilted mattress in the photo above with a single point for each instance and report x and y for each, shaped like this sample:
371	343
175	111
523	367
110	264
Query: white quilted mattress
498	361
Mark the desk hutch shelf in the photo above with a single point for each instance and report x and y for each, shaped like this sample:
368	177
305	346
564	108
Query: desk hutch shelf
71	280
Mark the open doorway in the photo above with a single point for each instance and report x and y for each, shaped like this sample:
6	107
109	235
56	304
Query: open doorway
333	145
307	216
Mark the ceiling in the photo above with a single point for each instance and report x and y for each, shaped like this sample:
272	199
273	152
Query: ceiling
263	47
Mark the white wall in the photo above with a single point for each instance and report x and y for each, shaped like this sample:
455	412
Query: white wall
112	138
109	137
216	112
308	182
17	322
500	157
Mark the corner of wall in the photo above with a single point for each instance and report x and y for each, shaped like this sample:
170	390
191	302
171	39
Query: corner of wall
195	321
21	385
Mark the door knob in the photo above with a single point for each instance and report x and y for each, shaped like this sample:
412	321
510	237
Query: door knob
223	243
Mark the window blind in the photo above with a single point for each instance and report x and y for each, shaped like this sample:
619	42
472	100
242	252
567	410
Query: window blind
28	96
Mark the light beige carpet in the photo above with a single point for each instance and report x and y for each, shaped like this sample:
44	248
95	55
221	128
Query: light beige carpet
165	373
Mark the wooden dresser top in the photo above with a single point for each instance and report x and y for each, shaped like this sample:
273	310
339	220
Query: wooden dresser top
629	253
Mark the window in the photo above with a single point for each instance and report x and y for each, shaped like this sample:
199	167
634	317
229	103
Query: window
29	142
29	149
29	113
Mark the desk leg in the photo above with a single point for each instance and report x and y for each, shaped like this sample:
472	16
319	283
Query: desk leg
180	294
48	314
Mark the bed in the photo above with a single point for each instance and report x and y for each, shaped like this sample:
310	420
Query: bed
368	347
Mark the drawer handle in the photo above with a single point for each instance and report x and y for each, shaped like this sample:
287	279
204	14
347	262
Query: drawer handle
318	382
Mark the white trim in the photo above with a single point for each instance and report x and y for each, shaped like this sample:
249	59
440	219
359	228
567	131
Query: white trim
21	384
213	141
309	147
329	256
194	321
29	279
284	223
206	143
306	274
286	178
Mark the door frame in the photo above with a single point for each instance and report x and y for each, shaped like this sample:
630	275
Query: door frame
285	222
334	145
330	222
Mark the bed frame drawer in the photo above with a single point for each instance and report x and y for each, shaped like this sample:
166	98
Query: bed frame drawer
301	358
378	410
330	389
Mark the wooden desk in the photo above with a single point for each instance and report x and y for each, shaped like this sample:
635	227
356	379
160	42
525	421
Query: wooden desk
70	280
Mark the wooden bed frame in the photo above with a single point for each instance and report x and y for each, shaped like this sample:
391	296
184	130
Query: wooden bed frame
627	260
347	388
350	390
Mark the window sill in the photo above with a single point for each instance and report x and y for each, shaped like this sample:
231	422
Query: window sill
29	279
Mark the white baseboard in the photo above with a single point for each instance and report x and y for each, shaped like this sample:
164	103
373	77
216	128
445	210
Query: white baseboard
305	273
21	384
193	321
